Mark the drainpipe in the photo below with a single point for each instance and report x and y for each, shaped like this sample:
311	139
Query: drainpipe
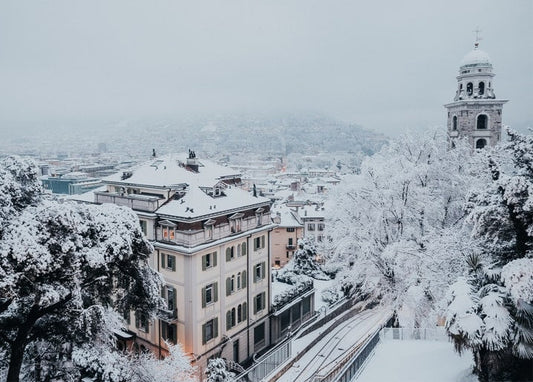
248	302
159	321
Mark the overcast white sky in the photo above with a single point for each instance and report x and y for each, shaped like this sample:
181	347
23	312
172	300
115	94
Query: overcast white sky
388	65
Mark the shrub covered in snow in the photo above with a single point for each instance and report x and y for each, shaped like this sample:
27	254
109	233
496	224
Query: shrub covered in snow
217	372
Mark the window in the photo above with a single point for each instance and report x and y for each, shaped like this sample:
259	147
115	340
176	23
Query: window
259	272
480	143
233	284
277	263
259	335
454	123
259	302
210	330
290	241
244	249
168	233
235	224
306	305
209	261
320	226
144	226
230	253
259	218
238	250
290	229
169	332
168	262
141	321
127	317
169	294
311	226
469	88
241	312
259	242
482	120
209	294
481	88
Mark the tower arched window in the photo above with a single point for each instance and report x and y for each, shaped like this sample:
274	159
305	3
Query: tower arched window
481	88
469	88
454	123
482	122
480	143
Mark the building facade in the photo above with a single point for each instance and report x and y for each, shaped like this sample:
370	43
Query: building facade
475	112
212	245
289	228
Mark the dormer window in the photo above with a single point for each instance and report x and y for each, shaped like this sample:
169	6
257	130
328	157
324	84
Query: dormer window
208	229
168	230
235	222
259	216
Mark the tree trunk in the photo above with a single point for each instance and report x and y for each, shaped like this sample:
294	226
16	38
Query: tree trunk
17	350
15	360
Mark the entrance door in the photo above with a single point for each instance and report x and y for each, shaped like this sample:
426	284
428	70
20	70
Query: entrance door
236	351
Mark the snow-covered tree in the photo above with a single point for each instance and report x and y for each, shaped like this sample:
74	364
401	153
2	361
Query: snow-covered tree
491	310
396	227
65	269
217	371
304	261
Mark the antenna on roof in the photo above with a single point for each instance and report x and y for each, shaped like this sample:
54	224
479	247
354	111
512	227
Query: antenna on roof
153	153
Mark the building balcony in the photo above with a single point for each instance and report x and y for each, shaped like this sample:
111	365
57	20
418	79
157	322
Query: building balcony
290	247
193	238
134	201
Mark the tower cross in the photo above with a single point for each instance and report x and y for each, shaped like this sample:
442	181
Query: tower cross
477	31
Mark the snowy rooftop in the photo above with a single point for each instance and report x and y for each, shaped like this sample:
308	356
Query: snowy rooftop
197	203
476	57
170	170
311	212
288	218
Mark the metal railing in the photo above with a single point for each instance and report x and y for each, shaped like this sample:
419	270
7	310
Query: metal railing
266	364
345	371
435	334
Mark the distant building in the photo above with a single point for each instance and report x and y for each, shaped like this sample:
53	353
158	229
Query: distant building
313	221
285	236
475	112
70	184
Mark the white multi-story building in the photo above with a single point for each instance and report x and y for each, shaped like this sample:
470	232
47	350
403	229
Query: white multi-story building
212	245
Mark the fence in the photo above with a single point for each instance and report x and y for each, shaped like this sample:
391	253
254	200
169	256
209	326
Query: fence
432	334
267	363
353	364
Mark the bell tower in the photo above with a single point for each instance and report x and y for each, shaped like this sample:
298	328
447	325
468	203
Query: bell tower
475	112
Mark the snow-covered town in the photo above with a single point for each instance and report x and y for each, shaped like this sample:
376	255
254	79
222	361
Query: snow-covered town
283	191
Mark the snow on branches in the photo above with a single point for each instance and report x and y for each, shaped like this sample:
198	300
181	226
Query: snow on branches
66	269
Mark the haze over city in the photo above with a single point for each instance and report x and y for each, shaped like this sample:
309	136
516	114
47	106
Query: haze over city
387	66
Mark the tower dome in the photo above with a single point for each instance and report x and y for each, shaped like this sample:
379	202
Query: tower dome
476	57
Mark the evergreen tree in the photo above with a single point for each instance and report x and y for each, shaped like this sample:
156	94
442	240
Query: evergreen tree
217	372
491	310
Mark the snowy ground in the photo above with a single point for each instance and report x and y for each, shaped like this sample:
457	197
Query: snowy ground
417	361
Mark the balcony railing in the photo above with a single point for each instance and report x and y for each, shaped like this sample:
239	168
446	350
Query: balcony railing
291	247
133	201
192	238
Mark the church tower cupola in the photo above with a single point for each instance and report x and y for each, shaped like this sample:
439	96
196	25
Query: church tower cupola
475	112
